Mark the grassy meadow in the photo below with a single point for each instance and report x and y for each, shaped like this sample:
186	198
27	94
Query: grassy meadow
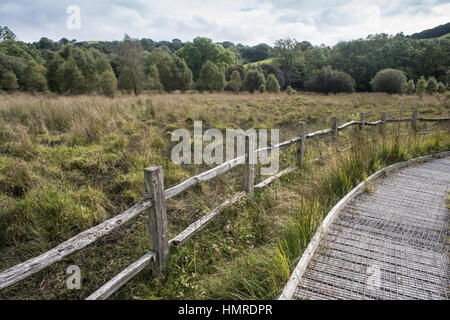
68	163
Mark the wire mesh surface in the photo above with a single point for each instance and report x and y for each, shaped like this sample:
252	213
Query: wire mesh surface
390	243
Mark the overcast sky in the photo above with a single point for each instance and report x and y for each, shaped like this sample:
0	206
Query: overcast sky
249	22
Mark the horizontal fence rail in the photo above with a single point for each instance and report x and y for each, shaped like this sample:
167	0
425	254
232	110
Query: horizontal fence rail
155	200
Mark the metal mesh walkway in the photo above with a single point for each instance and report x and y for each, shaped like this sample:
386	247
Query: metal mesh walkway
391	243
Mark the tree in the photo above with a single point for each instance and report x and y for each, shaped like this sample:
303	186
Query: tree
270	68
9	82
211	78
174	73
199	51
235	67
272	84
108	83
34	78
432	85
153	82
389	81
420	87
328	80
131	68
55	61
235	82
410	87
6	34
254	80
70	79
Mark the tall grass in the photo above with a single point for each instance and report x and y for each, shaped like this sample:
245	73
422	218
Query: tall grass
68	163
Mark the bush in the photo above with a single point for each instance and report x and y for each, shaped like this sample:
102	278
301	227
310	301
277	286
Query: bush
272	84
290	90
211	78
9	82
410	87
420	88
254	80
328	80
235	82
108	83
432	85
389	81
442	87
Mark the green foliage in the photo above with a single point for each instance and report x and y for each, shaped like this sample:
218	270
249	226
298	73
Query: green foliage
432	85
211	79
9	82
272	84
389	81
173	71
442	87
328	80
290	90
153	81
236	67
34	78
271	69
199	51
410	87
253	80
69	77
235	83
108	83
420	87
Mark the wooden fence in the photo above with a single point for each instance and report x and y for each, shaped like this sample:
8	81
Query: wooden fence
155	205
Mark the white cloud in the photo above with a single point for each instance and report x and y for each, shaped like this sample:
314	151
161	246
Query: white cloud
248	22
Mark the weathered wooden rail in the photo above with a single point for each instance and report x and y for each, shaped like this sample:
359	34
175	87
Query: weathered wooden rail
155	204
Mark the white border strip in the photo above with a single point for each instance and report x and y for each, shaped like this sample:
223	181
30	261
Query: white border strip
300	269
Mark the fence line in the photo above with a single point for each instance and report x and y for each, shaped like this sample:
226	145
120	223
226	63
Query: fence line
155	200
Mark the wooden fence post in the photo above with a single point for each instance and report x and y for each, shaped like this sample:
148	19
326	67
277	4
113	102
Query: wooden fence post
154	182
414	121
299	155
249	165
383	121
362	118
334	126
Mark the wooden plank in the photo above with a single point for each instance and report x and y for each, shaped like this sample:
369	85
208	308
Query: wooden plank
123	277
80	241
271	179
345	125
319	133
154	182
433	119
399	120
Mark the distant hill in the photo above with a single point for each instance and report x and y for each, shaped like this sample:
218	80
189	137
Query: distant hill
436	32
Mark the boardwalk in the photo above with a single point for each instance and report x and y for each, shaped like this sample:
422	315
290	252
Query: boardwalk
389	243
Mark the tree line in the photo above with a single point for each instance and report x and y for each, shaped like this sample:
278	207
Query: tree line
133	66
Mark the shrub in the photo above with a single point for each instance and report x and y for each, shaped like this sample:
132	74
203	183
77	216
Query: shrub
442	87
328	80
9	82
420	88
108	83
211	78
389	81
272	84
290	90
410	87
254	80
235	82
432	85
